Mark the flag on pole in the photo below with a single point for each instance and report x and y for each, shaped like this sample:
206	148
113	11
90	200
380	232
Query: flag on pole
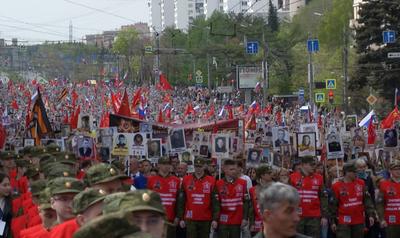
164	83
371	132
366	120
62	95
40	124
390	119
160	118
124	109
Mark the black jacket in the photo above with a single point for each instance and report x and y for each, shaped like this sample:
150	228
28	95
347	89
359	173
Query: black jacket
7	216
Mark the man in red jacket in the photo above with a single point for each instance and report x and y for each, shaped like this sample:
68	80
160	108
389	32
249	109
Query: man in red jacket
197	202
86	205
350	203
233	202
167	186
387	204
264	179
313	199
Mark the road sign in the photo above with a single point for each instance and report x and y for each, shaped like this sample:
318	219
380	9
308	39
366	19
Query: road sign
199	77
312	45
148	49
319	97
371	99
252	47
330	84
392	55
389	37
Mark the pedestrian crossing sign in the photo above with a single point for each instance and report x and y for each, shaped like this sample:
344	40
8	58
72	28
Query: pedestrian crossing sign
331	84
319	97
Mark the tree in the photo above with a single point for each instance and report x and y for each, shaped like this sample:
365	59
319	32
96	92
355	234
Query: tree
128	45
273	22
374	69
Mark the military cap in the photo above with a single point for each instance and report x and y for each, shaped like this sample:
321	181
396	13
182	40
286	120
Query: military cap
65	158
264	169
199	161
87	198
308	160
7	155
141	200
395	164
102	173
116	225
59	170
52	148
65	185
38	186
32	171
111	202
44	199
45	159
23	162
349	167
36	151
26	150
164	160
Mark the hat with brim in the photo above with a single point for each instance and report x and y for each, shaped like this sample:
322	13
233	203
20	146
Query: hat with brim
63	185
142	200
103	173
87	198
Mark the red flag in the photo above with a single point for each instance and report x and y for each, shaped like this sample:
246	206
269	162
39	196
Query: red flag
14	105
136	98
75	97
74	120
319	121
390	119
371	133
268	109
230	112
189	110
66	119
168	113
160	118
278	117
125	110
115	102
211	112
164	83
251	124
3	136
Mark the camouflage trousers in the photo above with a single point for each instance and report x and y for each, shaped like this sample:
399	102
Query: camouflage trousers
393	231
229	231
350	231
198	229
310	227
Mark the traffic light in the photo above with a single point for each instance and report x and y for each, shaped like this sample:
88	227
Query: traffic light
331	96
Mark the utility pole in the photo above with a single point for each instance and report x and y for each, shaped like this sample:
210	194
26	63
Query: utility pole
70	31
208	72
310	78
345	68
157	71
265	72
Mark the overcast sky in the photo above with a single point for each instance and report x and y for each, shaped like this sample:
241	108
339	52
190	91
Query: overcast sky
40	20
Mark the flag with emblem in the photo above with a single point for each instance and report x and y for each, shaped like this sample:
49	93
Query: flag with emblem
40	125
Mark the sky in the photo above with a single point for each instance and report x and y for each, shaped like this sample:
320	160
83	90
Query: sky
36	21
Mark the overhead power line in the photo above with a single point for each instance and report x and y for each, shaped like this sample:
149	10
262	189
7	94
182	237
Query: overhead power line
100	10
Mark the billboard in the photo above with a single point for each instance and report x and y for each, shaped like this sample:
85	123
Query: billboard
249	76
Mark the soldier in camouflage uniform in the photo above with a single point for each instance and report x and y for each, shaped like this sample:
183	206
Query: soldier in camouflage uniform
105	177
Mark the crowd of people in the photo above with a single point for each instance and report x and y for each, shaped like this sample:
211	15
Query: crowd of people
279	171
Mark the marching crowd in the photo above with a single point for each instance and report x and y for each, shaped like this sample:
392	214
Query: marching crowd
48	193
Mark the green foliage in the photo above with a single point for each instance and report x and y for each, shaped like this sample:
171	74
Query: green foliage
273	21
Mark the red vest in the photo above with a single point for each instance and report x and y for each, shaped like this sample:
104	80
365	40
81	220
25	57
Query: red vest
65	230
351	201
308	188
198	197
28	233
258	222
168	189
391	196
231	197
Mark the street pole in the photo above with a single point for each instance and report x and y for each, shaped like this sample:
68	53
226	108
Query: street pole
208	72
157	73
265	72
345	69
310	79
